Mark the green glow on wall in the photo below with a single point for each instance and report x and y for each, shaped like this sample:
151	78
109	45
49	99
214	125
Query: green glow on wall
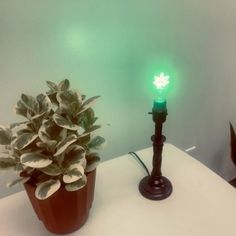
75	39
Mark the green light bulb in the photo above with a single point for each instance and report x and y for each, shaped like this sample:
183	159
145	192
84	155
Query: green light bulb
161	83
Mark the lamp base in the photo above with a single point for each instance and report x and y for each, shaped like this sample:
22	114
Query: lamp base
159	189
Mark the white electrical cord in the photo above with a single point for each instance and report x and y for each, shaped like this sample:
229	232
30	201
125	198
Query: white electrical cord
190	149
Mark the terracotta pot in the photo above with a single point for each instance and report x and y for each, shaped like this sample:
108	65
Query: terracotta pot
64	212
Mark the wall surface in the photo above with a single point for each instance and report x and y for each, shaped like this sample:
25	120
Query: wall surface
112	49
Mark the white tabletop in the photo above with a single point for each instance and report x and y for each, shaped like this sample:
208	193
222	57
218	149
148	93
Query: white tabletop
202	203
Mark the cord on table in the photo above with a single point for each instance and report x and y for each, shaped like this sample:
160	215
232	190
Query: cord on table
140	161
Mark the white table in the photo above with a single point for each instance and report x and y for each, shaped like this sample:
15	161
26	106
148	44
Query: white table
202	203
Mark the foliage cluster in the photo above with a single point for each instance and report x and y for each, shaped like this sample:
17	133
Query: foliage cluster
52	146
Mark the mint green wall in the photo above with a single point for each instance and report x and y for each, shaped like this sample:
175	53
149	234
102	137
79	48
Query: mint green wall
110	48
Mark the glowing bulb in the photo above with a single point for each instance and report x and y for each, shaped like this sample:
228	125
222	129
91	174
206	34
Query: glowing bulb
161	81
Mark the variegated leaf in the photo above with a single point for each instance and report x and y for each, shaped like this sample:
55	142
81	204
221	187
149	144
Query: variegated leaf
44	102
18	124
5	135
67	97
64	123
52	86
50	134
74	174
64	85
79	95
21	129
41	145
43	133
29	114
88	103
52	170
82	162
35	160
47	188
64	144
96	142
74	154
7	163
72	108
30	103
34	117
46	141
20	109
52	131
92	162
4	151
77	184
84	139
24	140
17	181
80	130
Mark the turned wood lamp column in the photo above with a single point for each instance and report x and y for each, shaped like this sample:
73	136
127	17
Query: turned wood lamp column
156	186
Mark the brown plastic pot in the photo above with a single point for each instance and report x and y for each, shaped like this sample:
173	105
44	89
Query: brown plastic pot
64	212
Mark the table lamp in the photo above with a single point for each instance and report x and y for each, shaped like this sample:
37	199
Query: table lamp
155	186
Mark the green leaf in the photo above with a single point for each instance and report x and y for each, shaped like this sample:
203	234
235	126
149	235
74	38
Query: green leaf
74	174
64	85
52	170
5	135
17	181
77	184
90	115
35	160
93	128
96	142
24	140
47	188
92	161
64	144
64	123
7	163
30	103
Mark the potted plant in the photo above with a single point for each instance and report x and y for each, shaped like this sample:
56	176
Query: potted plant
52	151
